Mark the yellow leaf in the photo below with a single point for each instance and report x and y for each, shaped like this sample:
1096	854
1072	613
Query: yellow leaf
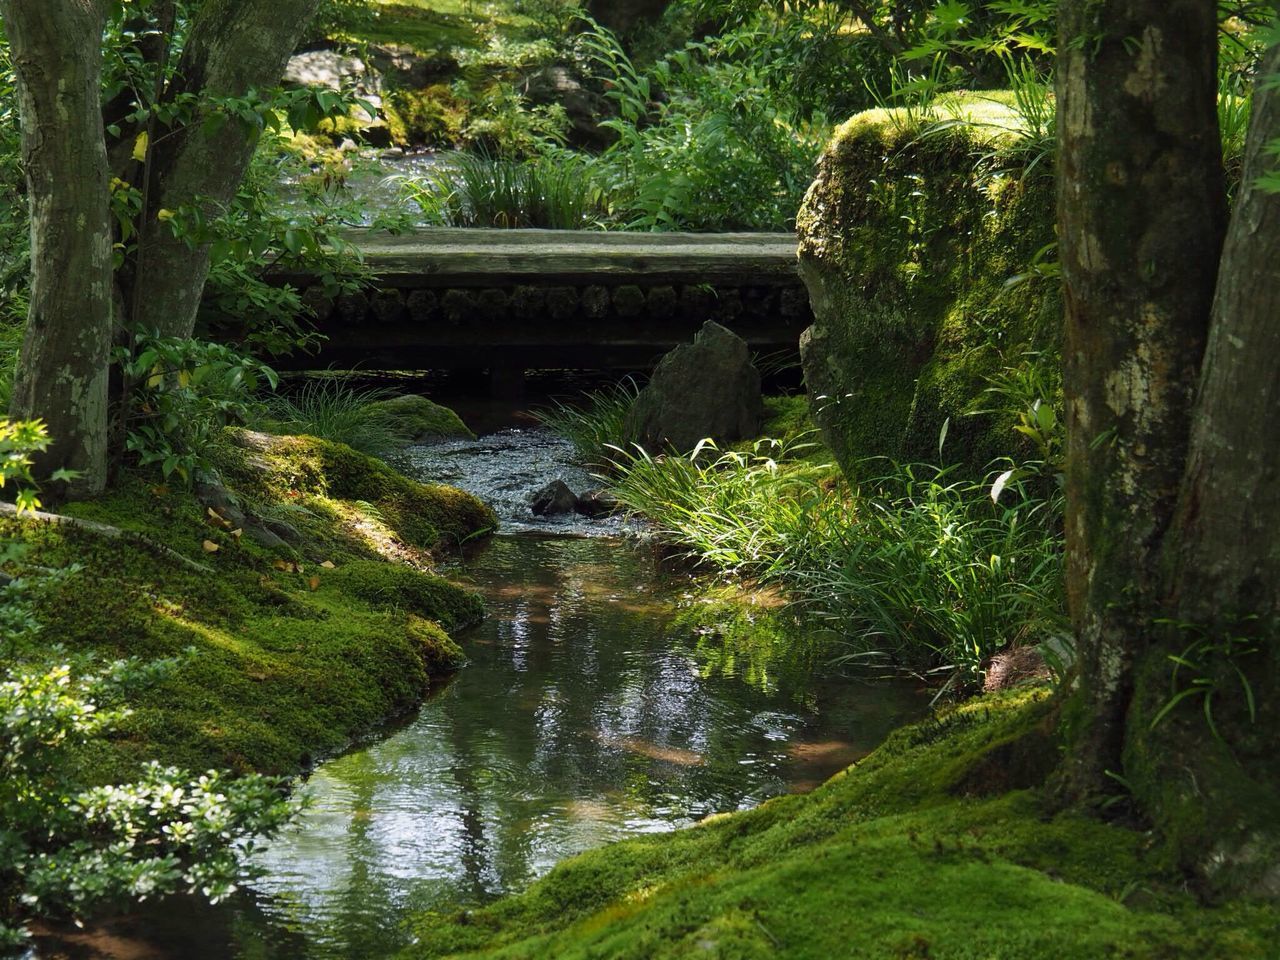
184	378
164	215
329	565
140	146
284	565
314	583
210	547
236	532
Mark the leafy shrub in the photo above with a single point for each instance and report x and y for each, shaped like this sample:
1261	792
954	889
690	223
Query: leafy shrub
704	142
185	391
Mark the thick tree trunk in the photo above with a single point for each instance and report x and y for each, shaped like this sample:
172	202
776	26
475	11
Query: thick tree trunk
1141	210
62	375
1217	795
234	46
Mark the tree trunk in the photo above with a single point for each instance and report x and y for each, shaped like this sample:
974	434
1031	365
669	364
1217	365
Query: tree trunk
62	373
1216	796
1141	210
234	46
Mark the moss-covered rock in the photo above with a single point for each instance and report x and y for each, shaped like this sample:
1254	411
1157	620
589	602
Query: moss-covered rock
921	850
908	241
433	116
420	419
332	479
398	587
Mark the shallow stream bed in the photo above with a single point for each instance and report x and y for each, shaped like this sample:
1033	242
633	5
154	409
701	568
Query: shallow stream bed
598	704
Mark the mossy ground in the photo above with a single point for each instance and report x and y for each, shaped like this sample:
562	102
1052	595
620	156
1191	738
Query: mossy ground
937	845
284	654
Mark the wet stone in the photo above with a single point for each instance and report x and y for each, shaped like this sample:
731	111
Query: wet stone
554	498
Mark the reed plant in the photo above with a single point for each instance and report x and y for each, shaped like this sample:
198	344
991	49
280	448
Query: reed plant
556	192
595	423
913	565
332	409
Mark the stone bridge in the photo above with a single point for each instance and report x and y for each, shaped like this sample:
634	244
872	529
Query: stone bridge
507	301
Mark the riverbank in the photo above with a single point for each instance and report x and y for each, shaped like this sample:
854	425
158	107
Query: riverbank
297	601
940	845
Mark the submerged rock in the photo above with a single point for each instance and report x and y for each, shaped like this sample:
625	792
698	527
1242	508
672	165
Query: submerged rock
554	498
709	388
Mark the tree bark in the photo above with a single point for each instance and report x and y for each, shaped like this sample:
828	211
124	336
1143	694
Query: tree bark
1216	796
62	374
234	46
1141	212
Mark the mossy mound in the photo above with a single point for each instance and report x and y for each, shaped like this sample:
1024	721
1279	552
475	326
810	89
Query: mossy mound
283	653
421	420
909	238
931	847
334	481
433	116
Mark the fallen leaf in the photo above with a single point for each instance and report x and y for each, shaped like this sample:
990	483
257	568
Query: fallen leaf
210	547
314	583
160	490
329	565
237	532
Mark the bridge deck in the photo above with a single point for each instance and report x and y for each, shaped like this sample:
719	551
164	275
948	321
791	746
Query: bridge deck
527	299
446	257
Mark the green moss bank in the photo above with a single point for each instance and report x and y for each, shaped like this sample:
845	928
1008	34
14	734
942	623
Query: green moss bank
934	846
303	614
908	239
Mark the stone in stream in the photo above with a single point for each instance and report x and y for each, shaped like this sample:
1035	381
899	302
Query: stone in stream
554	498
597	503
708	388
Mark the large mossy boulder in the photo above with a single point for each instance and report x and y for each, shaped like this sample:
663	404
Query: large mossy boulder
421	420
909	239
708	389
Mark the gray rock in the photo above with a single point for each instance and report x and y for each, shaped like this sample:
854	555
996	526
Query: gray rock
554	498
285	530
323	68
597	503
708	388
265	538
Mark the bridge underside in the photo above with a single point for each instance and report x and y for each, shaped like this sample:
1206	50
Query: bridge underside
514	300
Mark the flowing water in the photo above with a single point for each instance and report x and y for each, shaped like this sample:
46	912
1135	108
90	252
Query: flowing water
600	702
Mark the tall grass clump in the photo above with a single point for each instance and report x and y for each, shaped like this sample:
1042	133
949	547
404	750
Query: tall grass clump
333	410
930	572
596	423
555	192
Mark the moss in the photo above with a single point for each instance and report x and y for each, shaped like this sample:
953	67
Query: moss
433	116
890	859
333	477
421	420
280	657
907	245
393	586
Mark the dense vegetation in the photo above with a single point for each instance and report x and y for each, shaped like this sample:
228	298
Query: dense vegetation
238	579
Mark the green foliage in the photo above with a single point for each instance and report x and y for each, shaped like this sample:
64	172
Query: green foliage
595	423
912	566
717	150
328	408
67	846
1207	667
184	393
20	440
553	192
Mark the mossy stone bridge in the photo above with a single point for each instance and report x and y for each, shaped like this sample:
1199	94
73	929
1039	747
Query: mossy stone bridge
507	301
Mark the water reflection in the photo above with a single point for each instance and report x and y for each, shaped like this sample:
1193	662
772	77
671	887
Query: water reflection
592	710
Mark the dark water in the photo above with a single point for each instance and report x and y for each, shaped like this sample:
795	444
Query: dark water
601	701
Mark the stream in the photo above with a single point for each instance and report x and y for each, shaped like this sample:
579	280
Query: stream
598	703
